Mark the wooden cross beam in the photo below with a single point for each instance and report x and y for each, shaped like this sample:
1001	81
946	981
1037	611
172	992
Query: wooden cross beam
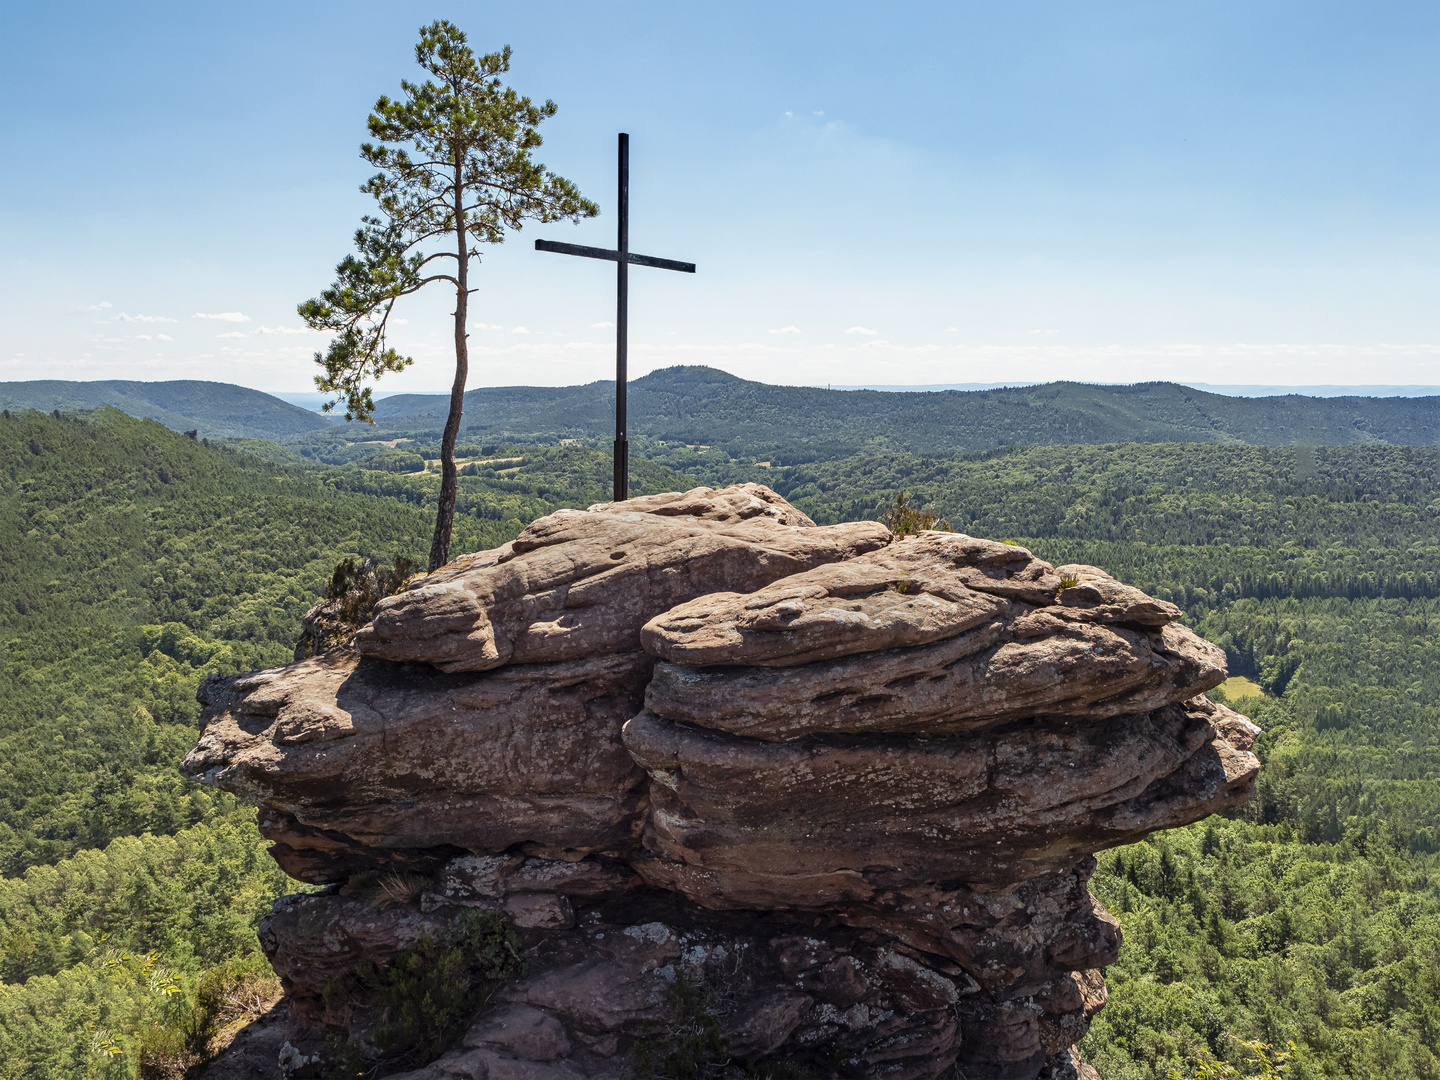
622	256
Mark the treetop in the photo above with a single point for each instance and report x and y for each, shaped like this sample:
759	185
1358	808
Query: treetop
454	160
464	131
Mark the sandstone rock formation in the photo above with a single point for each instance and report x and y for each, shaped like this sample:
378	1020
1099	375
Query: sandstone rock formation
741	787
581	583
358	761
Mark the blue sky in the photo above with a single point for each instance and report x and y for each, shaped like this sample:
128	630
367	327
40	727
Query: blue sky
875	193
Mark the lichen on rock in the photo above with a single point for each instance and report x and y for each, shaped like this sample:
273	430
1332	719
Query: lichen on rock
745	790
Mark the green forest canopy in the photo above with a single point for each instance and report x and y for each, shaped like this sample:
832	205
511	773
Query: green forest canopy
133	561
214	410
752	421
757	421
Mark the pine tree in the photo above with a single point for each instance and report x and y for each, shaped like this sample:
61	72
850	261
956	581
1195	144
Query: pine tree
455	172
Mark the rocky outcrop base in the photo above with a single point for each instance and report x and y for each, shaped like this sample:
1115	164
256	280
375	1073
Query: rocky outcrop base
618	987
730	791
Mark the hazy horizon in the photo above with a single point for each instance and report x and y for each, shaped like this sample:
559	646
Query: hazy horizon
312	400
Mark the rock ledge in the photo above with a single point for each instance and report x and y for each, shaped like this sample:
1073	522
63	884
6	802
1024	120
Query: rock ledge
813	796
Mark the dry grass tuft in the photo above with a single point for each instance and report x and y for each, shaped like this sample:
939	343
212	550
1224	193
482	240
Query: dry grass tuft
397	890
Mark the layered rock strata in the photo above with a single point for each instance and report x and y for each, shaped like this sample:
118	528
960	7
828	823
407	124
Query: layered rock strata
839	789
581	583
390	759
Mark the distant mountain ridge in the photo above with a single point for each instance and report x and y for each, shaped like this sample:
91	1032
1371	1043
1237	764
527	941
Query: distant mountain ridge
793	423
1250	390
789	424
215	410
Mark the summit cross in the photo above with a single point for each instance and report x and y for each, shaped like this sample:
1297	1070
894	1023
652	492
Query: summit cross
622	256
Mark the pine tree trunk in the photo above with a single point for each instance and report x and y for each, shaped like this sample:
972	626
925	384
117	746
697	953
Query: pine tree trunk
449	481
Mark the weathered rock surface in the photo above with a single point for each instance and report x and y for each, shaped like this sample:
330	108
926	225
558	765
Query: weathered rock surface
837	814
581	583
816	821
405	759
912	592
1031	664
731	505
923	589
986	635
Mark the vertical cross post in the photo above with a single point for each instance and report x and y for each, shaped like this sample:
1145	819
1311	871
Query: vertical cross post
622	256
622	315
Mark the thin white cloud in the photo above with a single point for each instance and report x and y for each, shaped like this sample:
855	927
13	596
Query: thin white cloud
519	330
234	333
952	329
786	330
284	330
163	337
223	316
861	330
103	305
602	326
123	317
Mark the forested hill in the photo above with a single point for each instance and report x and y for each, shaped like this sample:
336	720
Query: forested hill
215	410
755	421
133	561
795	423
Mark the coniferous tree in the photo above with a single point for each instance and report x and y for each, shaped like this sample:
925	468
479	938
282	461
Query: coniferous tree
455	172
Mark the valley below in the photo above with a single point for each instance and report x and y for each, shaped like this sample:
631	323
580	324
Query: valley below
135	561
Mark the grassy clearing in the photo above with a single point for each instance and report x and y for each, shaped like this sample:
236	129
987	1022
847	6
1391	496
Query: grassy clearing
1237	687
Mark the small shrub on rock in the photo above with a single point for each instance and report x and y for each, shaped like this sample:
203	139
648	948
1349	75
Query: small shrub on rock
419	1004
350	599
906	520
692	1044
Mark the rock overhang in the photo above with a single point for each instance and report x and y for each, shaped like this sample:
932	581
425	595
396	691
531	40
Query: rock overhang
703	699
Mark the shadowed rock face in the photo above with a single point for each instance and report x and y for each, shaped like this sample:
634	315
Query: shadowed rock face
854	802
813	821
407	759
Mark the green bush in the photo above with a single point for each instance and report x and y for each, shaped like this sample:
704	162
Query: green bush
420	1002
691	1043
